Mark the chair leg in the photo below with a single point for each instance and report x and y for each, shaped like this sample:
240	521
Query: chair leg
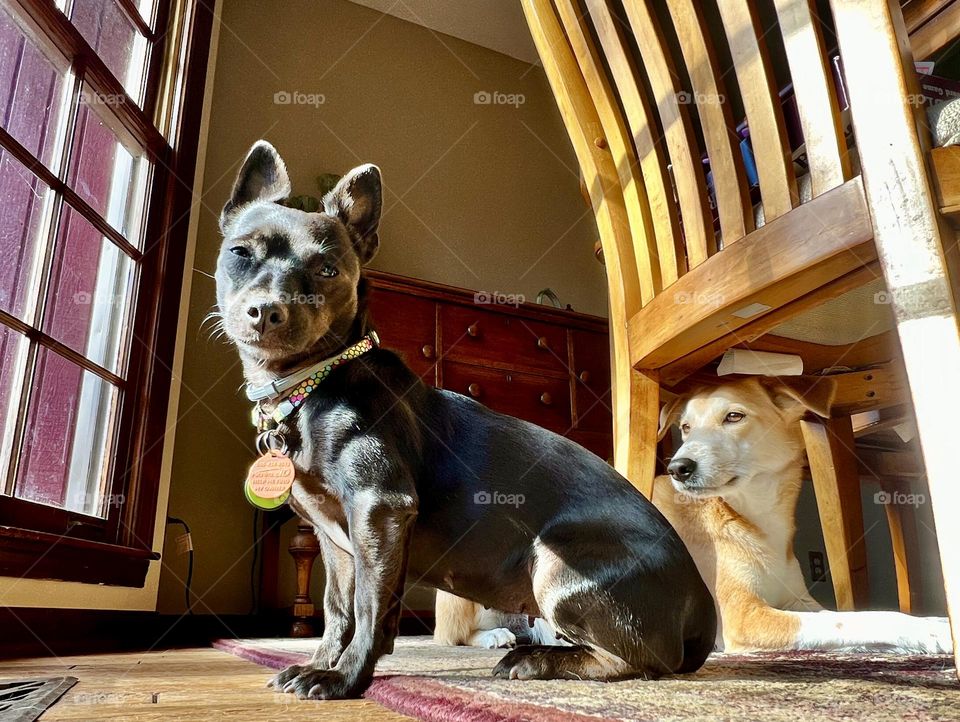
903	533
836	481
636	443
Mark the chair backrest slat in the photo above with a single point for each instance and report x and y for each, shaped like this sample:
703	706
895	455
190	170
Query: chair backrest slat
618	138
584	126
732	193
684	152
768	135
829	164
653	161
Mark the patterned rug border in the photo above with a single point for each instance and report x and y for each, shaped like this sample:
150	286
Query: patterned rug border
418	696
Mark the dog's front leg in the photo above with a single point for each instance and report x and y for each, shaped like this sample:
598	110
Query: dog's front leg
338	566
380	526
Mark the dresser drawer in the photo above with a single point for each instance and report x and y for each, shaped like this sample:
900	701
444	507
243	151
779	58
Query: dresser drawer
542	400
407	324
480	336
599	444
591	367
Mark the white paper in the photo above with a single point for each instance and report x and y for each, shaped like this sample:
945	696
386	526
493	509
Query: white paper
759	363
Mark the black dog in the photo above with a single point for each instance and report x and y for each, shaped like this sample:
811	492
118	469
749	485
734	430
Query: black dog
390	472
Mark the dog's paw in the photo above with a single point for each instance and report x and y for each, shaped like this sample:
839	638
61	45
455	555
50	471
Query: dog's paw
922	635
528	662
935	636
280	679
308	682
494	639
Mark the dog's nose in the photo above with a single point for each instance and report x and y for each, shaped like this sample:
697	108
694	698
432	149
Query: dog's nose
681	469
266	317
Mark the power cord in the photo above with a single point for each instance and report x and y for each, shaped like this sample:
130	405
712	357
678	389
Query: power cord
186	590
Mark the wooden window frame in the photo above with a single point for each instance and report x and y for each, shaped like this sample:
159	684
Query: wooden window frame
40	541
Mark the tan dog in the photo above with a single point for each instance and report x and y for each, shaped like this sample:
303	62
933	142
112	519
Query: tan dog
732	494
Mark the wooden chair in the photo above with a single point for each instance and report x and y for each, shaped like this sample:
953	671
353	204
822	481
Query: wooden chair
644	91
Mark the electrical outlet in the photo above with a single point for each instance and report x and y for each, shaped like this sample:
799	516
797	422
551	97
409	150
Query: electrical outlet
184	543
818	568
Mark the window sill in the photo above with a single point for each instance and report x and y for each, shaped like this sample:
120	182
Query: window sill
41	555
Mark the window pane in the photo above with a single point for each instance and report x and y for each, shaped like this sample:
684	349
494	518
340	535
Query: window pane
31	92
114	38
13	347
90	289
147	10
106	173
69	432
26	204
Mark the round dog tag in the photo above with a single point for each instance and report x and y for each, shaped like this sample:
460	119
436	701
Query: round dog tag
269	480
261	503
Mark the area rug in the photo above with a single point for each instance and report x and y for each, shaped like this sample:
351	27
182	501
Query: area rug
436	684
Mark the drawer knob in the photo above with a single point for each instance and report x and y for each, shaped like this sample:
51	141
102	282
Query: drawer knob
546	399
473	330
427	351
543	343
474	390
585	376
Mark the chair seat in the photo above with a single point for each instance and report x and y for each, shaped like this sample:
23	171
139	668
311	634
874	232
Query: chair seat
850	318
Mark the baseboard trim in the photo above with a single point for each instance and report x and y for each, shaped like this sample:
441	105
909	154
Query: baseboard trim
29	632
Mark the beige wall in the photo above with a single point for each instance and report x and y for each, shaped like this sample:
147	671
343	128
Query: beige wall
481	196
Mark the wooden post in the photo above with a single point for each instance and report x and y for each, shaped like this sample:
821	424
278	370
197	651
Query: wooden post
836	481
903	534
304	548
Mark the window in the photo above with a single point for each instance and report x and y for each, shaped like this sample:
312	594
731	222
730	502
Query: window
99	118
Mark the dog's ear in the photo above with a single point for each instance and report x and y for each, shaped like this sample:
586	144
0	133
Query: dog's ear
263	177
797	396
357	200
670	415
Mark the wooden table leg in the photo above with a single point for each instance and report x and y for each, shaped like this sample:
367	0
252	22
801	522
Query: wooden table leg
304	548
836	481
903	533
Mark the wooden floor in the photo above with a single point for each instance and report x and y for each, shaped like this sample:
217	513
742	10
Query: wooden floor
180	684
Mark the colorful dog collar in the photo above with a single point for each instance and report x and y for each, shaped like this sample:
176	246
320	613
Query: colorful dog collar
293	390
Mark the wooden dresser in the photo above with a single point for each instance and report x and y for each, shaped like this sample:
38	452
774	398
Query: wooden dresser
538	363
534	362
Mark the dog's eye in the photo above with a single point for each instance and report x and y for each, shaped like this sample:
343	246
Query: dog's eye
241	251
329	271
733	417
685	428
